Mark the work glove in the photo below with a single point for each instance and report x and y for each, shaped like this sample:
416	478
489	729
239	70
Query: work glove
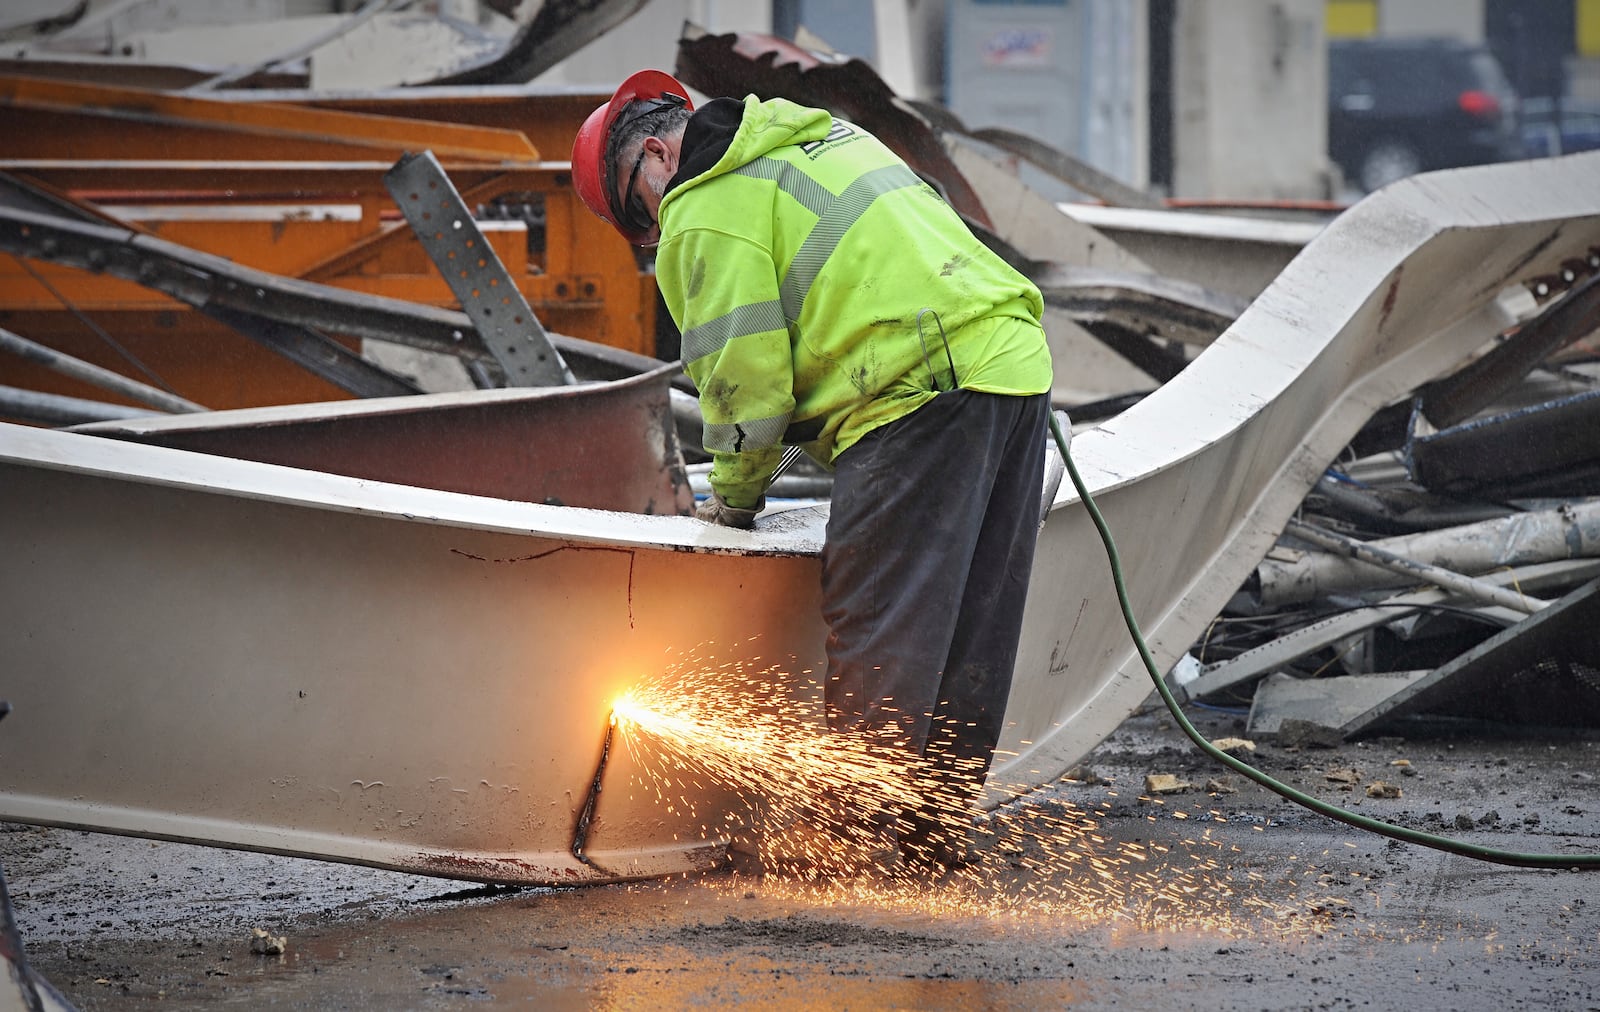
715	511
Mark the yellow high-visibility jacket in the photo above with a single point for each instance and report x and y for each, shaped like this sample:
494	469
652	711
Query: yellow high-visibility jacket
797	267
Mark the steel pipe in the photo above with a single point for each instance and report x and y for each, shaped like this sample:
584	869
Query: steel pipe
105	379
1571	531
55	409
1420	572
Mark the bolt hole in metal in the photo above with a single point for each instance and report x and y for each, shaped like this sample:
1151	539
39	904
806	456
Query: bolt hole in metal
463	256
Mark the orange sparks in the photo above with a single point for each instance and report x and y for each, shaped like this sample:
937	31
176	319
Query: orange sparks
745	751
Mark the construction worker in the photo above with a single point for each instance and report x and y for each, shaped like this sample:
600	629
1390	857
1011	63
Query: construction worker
829	298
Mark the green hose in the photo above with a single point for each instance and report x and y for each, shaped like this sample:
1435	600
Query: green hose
1574	862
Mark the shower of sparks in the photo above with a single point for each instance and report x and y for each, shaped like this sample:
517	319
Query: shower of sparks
808	800
744	754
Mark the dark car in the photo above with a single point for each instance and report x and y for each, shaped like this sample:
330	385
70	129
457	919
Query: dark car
1399	106
1559	127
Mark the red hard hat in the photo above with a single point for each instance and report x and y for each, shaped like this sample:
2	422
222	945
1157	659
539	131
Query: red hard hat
589	164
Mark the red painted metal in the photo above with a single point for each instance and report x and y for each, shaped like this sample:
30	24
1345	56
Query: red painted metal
602	446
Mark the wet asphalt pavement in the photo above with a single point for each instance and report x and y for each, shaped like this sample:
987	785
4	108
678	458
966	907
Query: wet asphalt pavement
1095	893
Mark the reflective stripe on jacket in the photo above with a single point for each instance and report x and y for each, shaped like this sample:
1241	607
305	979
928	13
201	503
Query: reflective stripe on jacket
796	268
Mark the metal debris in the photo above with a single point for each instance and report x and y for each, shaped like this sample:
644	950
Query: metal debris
1544	670
1551	448
1438	575
485	289
752	63
1330	704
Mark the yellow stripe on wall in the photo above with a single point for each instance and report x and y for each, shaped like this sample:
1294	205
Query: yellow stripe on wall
1358	19
1589	27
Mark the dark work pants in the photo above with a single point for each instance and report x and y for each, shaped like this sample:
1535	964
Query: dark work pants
930	540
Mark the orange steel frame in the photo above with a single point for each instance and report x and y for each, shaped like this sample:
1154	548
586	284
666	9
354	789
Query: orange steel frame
204	161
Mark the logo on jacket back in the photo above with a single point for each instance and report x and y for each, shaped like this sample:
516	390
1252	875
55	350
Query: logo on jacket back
837	132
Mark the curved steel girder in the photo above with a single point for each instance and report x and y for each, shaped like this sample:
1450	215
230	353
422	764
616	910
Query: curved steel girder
752	63
1198	478
513	626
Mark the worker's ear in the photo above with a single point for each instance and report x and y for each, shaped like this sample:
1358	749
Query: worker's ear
668	153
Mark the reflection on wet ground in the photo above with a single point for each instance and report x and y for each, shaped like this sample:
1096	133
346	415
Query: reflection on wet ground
1290	910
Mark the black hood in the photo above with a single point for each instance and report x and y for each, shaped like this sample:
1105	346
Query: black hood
706	138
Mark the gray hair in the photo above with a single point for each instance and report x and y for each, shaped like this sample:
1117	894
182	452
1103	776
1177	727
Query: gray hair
662	123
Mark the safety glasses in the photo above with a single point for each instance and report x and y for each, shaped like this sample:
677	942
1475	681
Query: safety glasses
634	216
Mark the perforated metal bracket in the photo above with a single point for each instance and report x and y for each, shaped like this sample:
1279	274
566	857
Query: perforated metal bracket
475	274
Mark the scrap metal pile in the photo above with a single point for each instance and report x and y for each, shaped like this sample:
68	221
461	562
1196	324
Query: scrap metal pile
1447	567
1447	571
381	43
